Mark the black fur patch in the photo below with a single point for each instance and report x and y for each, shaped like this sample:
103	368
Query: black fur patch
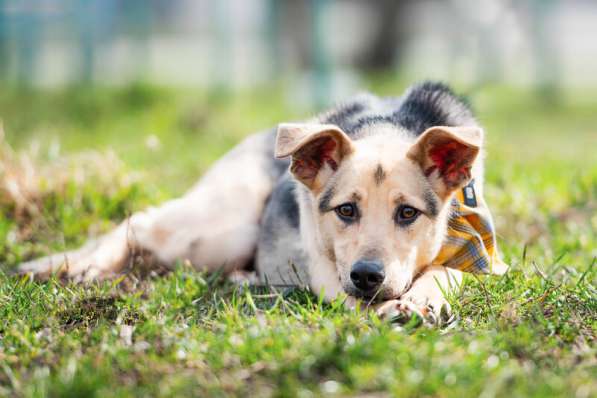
341	117
369	121
379	175
431	203
432	104
324	201
425	105
288	206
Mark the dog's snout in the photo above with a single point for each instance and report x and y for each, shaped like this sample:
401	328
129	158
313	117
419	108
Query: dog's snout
367	275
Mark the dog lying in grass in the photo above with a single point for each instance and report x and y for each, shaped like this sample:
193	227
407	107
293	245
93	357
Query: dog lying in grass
379	199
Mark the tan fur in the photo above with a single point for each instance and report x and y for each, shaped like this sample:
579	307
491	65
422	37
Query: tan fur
381	172
216	224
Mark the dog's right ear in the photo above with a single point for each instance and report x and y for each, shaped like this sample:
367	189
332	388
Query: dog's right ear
316	150
446	155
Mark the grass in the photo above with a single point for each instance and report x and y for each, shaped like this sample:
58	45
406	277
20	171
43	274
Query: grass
97	155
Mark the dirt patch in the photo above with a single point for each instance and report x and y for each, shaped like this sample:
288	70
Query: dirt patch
89	312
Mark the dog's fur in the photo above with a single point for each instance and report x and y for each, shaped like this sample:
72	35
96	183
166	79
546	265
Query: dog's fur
377	155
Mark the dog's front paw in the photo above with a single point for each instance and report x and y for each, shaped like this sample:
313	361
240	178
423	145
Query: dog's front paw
401	312
424	310
432	304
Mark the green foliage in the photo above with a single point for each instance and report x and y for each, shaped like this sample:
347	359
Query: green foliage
528	333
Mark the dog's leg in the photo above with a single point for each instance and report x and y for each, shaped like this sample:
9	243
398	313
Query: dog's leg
99	258
426	297
214	225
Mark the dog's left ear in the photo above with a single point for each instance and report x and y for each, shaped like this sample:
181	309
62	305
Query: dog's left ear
446	156
316	150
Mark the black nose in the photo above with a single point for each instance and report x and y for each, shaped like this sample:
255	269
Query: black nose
367	275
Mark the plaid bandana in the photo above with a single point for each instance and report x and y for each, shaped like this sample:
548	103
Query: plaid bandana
470	245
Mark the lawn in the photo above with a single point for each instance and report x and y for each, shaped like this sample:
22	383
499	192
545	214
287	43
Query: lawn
84	158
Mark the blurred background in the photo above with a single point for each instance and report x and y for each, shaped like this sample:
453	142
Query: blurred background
108	106
321	46
73	73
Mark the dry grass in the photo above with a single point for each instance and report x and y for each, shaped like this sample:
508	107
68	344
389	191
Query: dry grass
28	178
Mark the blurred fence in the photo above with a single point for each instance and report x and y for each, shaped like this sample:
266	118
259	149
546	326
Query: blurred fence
322	44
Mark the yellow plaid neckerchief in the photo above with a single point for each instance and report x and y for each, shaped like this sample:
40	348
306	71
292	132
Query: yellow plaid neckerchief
470	244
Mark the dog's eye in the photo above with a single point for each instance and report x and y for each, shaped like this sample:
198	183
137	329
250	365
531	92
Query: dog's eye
406	214
346	211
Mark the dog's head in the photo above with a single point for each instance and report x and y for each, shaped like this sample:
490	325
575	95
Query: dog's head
379	205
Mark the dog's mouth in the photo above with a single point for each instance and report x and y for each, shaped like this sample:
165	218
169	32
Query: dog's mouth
384	293
378	296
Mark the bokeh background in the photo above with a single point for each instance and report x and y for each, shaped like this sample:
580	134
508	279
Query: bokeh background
162	88
110	106
321	47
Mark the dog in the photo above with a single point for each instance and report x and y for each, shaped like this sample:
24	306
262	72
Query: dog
358	202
